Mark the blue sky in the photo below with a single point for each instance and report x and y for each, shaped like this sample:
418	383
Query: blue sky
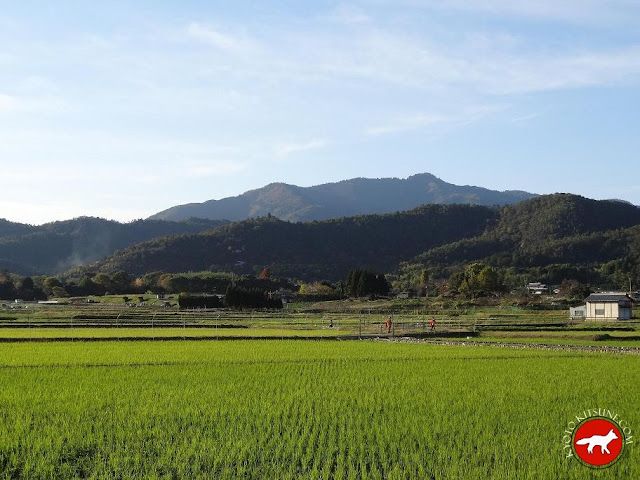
122	109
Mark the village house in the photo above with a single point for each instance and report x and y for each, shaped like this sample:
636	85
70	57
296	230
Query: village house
537	288
609	306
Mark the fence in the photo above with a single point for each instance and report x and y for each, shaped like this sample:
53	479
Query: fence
116	320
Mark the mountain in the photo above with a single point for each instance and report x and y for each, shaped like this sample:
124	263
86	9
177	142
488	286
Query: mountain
307	250
357	196
549	238
8	228
55	247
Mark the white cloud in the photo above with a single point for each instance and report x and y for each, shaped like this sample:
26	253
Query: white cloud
496	69
575	11
512	75
434	123
7	103
409	122
37	83
480	63
216	39
525	119
215	168
285	149
348	15
33	104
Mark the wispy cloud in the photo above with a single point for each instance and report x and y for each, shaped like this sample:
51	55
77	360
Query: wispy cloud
525	119
409	122
495	64
216	96
575	11
32	104
216	168
217	39
348	15
284	149
434	123
7	103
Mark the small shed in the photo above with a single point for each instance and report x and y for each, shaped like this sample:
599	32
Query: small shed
609	306
578	312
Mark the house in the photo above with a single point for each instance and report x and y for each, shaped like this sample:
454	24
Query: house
537	288
609	306
283	294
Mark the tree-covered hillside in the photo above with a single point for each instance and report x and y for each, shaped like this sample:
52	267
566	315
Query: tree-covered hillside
55	247
315	250
550	238
8	228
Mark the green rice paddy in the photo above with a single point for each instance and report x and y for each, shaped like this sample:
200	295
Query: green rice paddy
302	409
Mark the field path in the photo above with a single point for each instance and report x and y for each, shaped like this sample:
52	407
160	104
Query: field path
535	346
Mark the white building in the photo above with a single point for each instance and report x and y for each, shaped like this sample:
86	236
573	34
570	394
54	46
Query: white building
609	306
537	288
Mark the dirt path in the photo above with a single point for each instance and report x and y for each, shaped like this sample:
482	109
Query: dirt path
535	346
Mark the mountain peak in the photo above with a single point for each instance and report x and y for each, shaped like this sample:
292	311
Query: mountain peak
355	196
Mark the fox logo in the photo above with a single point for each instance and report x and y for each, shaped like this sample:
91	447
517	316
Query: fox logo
601	440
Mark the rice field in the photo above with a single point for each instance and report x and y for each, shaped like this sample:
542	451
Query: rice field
302	409
166	332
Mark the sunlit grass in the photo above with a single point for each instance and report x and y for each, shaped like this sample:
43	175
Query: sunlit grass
291	409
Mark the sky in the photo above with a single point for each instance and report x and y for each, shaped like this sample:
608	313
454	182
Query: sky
122	109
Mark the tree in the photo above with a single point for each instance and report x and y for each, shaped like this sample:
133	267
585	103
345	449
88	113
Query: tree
59	292
25	288
121	282
488	279
7	289
471	283
104	282
49	284
366	282
26	284
424	278
86	286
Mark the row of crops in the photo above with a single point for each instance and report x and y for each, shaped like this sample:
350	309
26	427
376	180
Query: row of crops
274	409
83	316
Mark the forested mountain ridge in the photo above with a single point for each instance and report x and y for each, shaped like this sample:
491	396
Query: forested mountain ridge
311	250
8	228
553	238
54	247
550	238
358	196
560	215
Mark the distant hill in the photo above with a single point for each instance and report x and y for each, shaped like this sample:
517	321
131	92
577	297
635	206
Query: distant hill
8	228
55	247
553	238
549	238
358	196
310	250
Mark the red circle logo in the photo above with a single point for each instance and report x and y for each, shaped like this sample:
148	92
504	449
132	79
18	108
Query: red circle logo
598	442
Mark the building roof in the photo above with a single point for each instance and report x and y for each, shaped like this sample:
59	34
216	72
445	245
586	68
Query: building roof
607	297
